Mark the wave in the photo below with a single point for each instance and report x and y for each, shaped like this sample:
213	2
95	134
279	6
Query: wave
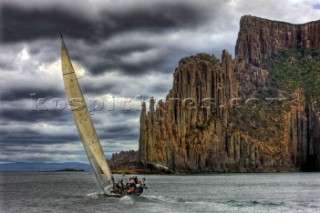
95	195
254	203
126	200
159	198
130	199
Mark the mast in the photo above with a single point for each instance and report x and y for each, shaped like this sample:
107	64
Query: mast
83	120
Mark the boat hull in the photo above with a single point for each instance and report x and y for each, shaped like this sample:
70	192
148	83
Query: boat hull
120	195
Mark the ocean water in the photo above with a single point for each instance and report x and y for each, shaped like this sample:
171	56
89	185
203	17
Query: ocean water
77	192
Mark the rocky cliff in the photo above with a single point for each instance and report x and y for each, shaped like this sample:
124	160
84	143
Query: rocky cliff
127	162
259	38
229	115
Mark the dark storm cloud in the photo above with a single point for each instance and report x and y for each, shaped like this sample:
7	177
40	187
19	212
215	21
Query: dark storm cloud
136	59
30	91
128	48
27	128
158	18
26	136
119	132
129	68
21	127
7	156
129	87
19	23
156	89
30	115
7	150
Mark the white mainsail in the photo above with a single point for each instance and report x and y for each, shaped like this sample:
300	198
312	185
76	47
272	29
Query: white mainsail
83	120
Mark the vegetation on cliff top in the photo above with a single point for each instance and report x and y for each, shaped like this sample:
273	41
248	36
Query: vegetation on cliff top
289	70
297	69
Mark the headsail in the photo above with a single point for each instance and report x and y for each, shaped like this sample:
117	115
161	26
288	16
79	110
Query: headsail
83	120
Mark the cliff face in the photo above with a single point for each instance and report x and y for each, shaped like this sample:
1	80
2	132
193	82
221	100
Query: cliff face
212	118
258	38
124	159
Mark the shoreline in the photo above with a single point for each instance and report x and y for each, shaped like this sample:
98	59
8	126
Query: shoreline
172	174
209	173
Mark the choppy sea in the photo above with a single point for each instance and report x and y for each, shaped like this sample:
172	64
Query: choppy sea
77	192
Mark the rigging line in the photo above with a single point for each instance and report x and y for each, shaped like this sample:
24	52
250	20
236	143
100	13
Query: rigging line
85	90
84	85
59	31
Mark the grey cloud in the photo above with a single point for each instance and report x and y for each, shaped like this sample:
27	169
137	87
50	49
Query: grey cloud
24	128
100	60
28	91
33	155
27	136
27	115
19	23
149	19
147	85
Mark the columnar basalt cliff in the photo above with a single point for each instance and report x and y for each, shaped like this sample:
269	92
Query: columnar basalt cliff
212	118
259	38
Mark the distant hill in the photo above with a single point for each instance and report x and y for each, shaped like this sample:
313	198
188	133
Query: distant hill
19	166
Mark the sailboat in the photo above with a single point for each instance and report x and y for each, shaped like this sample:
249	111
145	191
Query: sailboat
85	126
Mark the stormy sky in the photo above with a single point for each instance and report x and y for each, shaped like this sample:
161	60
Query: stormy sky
124	51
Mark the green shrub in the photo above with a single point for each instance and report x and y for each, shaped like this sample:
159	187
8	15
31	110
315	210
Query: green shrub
297	68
